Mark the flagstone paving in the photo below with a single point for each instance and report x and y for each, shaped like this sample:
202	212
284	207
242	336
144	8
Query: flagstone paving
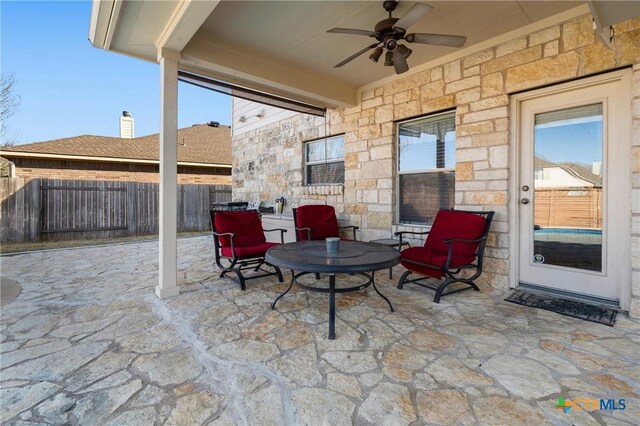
87	342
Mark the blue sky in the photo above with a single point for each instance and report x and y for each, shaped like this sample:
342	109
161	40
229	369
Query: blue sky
68	88
567	142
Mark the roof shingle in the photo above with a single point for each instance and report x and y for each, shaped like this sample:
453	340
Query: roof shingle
197	144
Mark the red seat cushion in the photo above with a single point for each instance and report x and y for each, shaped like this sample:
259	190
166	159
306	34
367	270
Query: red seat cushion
320	218
258	250
429	257
245	224
455	224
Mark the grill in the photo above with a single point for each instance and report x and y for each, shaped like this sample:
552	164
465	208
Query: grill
225	207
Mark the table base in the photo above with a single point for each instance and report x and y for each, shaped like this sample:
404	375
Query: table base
332	290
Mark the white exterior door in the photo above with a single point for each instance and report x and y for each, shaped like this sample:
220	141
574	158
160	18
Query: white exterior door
573	187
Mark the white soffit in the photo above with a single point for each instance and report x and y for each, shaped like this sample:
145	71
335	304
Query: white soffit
140	26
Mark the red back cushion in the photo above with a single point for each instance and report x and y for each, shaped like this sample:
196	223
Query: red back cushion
455	224
321	219
245	224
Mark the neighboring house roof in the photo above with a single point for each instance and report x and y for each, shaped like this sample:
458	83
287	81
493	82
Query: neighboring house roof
199	144
577	170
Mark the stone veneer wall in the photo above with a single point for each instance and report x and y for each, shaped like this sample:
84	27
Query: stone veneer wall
268	161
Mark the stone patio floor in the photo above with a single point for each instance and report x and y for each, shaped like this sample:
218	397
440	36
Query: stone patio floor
87	342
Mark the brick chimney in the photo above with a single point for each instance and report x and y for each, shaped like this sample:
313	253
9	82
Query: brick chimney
126	126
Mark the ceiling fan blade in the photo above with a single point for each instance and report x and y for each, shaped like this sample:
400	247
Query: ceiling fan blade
439	39
399	62
413	15
355	55
352	31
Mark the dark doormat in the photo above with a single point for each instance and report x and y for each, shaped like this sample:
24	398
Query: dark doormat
566	307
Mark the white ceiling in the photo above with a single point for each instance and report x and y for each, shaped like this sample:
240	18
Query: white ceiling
294	32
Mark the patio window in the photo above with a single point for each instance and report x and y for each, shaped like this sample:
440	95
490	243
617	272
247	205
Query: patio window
324	161
426	167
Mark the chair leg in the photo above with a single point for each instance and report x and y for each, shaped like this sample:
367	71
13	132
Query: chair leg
403	279
441	288
243	287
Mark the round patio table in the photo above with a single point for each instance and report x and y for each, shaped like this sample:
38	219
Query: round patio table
353	257
392	242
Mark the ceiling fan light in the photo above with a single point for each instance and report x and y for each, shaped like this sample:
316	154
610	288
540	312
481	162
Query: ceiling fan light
388	59
391	44
404	50
375	55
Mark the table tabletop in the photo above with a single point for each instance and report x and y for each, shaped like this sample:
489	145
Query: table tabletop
389	242
353	256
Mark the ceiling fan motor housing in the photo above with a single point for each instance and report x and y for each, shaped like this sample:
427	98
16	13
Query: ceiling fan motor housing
389	5
385	27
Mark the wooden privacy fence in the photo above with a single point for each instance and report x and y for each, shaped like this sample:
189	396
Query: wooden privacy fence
55	209
568	208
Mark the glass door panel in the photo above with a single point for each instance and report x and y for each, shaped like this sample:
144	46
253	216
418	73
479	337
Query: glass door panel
568	188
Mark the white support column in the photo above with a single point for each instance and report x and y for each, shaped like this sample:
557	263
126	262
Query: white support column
167	284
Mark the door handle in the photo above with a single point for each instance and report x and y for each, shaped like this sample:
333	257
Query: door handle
525	201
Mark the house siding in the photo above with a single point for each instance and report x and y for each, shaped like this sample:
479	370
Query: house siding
255	116
268	161
29	168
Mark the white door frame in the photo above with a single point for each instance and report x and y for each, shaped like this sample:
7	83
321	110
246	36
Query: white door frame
624	76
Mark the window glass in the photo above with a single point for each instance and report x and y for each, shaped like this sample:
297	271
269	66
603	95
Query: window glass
426	168
324	161
423	194
427	144
315	151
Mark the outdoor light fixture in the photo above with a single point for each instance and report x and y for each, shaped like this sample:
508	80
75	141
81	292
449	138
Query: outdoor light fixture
388	59
244	118
391	44
404	50
375	55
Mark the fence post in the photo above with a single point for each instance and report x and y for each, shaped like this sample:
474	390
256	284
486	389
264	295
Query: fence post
36	216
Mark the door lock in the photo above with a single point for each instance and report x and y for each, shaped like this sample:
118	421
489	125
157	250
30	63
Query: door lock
525	188
525	201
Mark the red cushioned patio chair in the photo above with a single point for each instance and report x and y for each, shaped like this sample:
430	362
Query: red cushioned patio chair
317	222
239	240
455	244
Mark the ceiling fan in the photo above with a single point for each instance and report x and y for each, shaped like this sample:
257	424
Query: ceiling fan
390	31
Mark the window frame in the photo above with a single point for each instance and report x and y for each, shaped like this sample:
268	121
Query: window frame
325	161
399	173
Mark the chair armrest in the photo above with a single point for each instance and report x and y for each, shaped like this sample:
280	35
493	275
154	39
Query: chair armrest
401	233
450	241
230	234
282	231
218	234
304	229
354	227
